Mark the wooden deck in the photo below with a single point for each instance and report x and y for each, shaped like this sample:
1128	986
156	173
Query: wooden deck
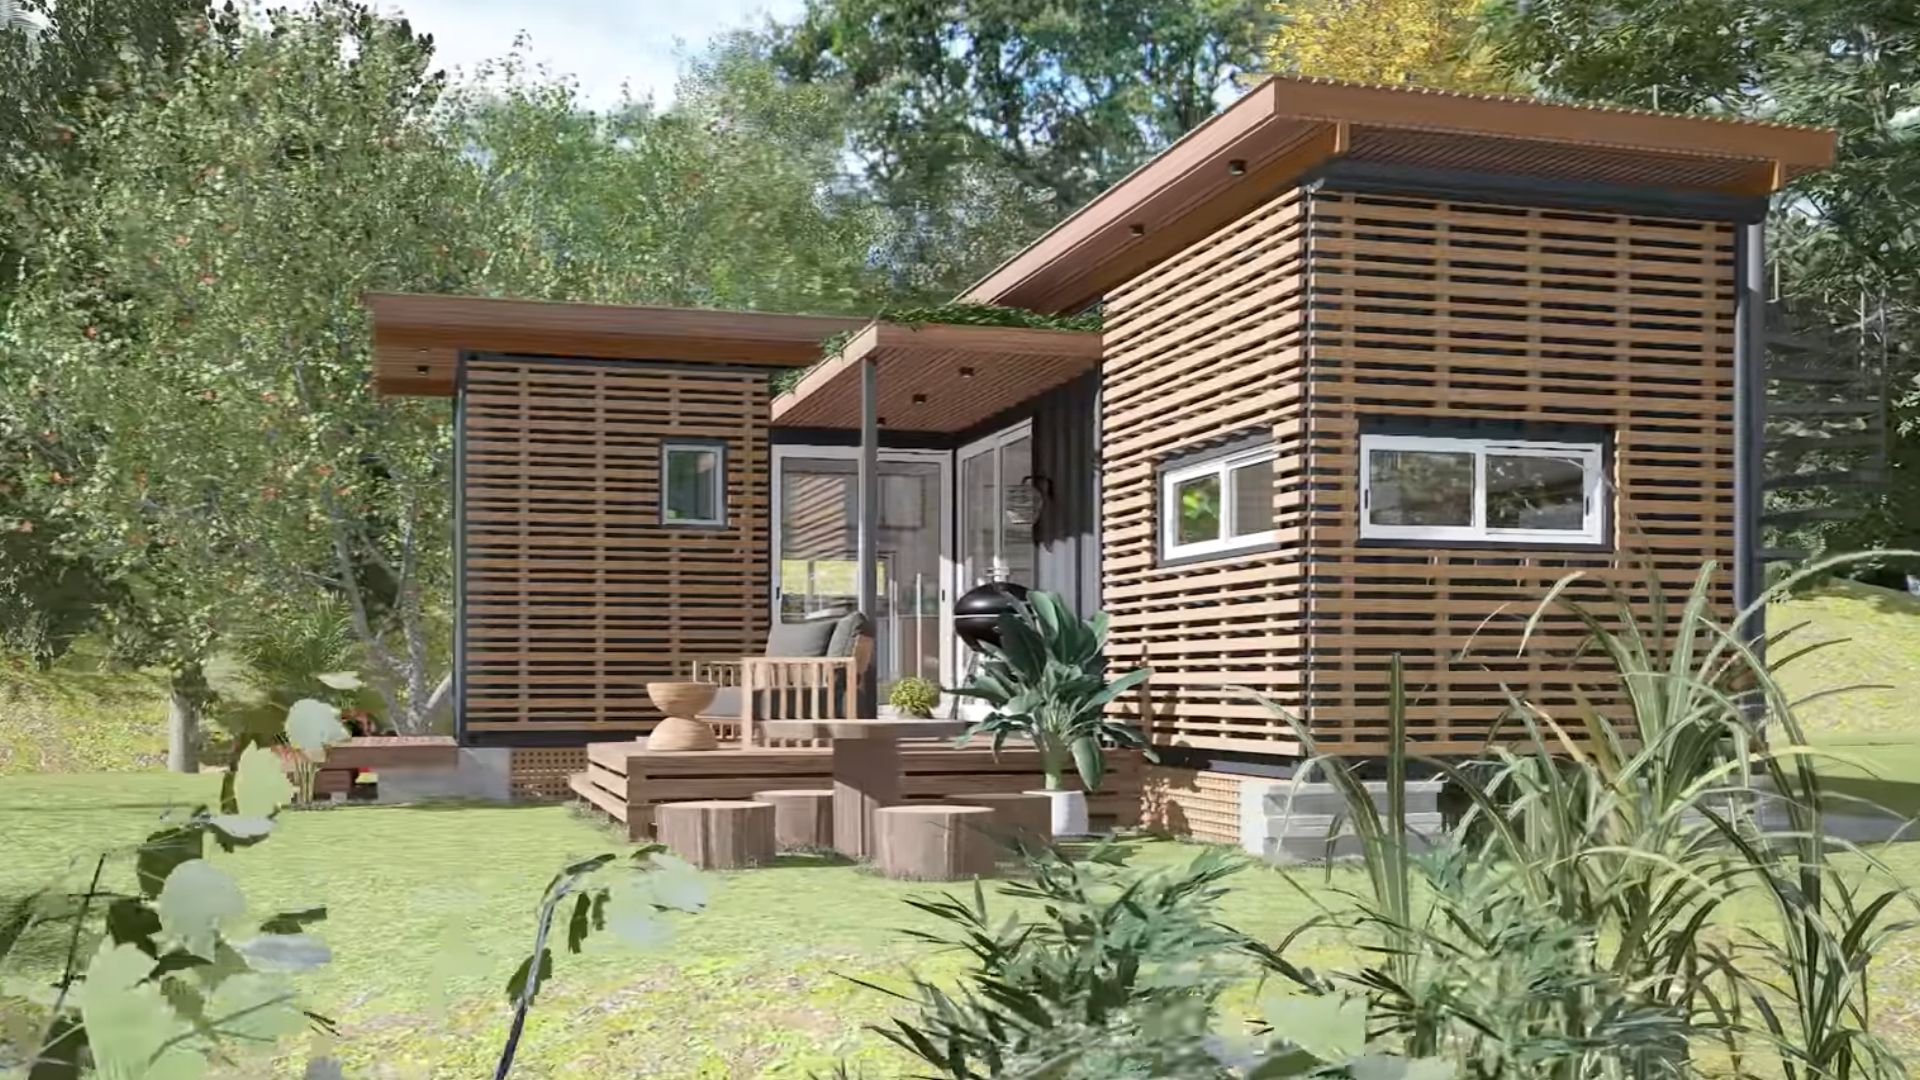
626	781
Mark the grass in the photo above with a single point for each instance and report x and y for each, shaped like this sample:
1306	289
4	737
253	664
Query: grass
430	910
1876	727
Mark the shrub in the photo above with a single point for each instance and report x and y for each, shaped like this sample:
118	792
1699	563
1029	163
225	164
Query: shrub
1047	681
914	696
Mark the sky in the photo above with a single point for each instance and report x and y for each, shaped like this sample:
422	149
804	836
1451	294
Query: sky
601	43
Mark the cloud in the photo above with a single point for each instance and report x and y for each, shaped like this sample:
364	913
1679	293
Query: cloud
601	43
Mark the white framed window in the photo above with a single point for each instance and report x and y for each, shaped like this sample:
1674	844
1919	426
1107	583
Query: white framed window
1496	491
693	483
1218	504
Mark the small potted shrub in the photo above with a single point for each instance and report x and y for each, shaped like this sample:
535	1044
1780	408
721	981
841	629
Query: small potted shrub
914	697
1046	681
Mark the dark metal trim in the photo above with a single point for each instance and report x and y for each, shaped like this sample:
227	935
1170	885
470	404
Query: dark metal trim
460	550
668	442
643	362
1383	178
889	440
1749	423
1446	427
1274	766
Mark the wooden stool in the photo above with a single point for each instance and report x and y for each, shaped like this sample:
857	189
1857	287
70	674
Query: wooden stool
802	817
719	834
1018	816
933	841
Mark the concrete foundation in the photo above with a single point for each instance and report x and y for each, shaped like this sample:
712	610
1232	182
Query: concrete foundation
1287	822
484	774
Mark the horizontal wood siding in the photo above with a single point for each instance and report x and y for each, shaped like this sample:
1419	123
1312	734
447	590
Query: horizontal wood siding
1421	310
1433	309
575	594
1204	348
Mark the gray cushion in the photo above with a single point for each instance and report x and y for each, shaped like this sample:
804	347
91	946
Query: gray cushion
847	630
808	638
726	704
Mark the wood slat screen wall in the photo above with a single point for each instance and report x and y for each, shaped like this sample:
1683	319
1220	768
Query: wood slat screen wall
575	594
1457	310
1419	309
1203	348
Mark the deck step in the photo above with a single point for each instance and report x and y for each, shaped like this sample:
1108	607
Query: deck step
599	797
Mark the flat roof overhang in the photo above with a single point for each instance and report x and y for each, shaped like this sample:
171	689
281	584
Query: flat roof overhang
418	339
1285	127
937	379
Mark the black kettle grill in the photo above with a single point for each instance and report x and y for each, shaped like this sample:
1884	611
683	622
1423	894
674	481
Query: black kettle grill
976	615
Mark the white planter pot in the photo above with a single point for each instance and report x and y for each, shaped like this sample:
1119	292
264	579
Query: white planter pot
1069	812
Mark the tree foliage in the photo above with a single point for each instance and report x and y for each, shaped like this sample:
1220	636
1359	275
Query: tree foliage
979	125
189	351
1426	42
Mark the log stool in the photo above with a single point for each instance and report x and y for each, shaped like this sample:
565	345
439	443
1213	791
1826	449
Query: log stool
933	841
720	834
1018	816
802	817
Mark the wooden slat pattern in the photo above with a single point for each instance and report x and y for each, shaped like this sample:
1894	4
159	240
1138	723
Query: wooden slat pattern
1206	346
1459	310
575	594
1419	309
1191	802
627	781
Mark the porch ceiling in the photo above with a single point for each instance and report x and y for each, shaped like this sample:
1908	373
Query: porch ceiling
940	378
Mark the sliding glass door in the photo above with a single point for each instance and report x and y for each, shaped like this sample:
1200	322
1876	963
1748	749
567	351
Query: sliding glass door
816	543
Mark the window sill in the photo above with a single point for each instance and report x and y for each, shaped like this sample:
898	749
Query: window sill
1264	547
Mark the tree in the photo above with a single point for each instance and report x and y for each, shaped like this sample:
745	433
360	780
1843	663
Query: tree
1426	42
979	125
194	328
1844	238
193	345
734	197
56	61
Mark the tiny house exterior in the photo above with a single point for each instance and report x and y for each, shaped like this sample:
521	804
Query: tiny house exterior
1377	367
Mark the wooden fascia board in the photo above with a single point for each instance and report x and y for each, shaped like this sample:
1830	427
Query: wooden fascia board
1238	125
1080	281
1798	148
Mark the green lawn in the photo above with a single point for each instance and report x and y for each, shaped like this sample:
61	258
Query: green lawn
430	909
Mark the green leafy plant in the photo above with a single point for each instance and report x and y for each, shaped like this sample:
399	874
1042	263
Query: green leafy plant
1579	927
1120	975
155	982
598	898
1047	681
914	696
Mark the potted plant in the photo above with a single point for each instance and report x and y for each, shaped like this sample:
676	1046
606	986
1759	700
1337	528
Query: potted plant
914	697
1046	680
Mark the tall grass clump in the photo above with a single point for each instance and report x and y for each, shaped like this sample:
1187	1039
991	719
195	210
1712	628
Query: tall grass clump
1642	885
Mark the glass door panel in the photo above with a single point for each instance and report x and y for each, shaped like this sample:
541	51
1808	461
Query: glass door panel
818	546
998	509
